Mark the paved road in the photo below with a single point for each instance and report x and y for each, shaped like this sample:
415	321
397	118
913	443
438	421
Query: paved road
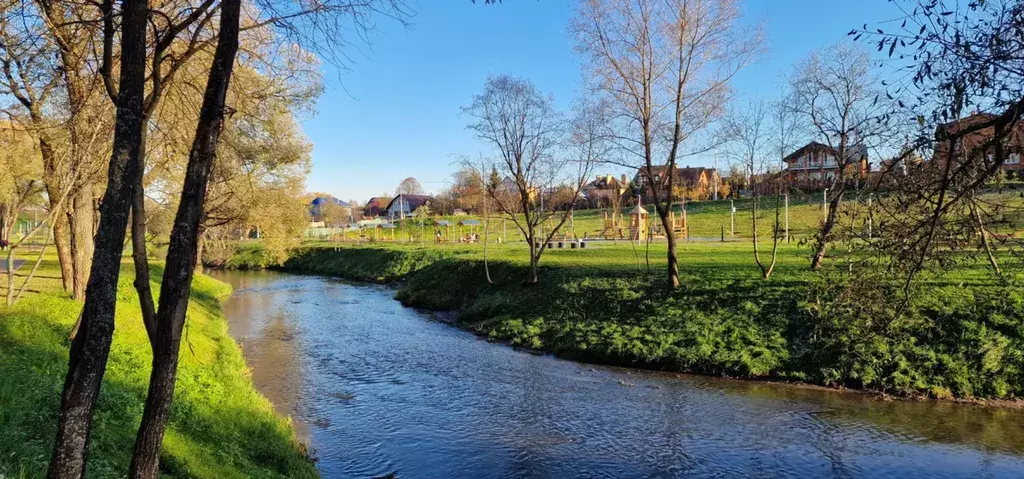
3	264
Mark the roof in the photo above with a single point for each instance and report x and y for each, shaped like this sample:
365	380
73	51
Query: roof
686	174
443	223
606	182
378	202
321	200
414	201
812	146
469	223
980	137
853	150
967	121
639	209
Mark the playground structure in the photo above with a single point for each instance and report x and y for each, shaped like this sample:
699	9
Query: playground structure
638	229
613	228
442	231
677	225
383	228
473	236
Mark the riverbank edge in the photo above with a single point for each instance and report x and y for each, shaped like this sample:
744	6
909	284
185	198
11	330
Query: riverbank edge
220	425
414	276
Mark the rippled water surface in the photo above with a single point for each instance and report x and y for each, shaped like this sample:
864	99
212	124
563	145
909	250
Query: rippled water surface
377	388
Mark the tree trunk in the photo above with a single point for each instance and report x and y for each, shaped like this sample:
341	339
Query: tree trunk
753	234
533	258
139	255
200	245
183	249
825	233
81	219
61	238
90	348
673	255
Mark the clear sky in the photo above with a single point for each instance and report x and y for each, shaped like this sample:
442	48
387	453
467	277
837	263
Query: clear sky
397	112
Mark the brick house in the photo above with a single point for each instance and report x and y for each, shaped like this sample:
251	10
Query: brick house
814	164
695	183
605	190
376	206
976	143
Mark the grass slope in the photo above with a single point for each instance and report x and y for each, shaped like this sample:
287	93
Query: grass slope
963	338
220	425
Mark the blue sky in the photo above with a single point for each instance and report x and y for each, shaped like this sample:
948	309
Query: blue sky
397	112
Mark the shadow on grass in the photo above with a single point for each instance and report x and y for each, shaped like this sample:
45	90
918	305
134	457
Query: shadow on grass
220	427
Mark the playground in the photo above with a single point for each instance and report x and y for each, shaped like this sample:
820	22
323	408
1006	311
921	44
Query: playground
707	221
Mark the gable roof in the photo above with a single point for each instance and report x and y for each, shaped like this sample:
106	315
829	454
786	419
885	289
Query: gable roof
378	202
684	174
854	151
812	146
414	201
979	138
322	200
607	182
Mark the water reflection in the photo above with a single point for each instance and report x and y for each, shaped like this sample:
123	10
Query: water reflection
379	388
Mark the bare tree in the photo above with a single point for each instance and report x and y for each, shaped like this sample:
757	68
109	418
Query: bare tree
748	132
664	67
409	186
527	133
835	91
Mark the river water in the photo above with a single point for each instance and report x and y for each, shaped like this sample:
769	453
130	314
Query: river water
376	388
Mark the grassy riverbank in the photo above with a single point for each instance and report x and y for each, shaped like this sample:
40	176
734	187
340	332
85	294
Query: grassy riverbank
220	425
964	337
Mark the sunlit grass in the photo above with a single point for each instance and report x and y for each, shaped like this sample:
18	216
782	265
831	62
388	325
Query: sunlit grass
220	426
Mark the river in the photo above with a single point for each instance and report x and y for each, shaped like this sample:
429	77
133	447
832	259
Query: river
377	388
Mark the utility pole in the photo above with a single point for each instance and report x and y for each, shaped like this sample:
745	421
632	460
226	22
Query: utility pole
732	218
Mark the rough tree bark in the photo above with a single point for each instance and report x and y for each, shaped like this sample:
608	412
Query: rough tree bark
81	219
61	236
91	347
183	249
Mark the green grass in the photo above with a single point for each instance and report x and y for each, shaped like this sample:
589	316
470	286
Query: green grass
706	220
220	425
962	337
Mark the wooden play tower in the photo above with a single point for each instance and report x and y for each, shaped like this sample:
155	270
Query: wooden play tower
638	223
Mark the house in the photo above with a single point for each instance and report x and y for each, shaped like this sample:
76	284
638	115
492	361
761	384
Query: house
815	164
605	190
508	186
405	205
328	209
376	206
974	144
694	183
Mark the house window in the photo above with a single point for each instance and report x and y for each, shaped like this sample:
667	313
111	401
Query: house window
1013	159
